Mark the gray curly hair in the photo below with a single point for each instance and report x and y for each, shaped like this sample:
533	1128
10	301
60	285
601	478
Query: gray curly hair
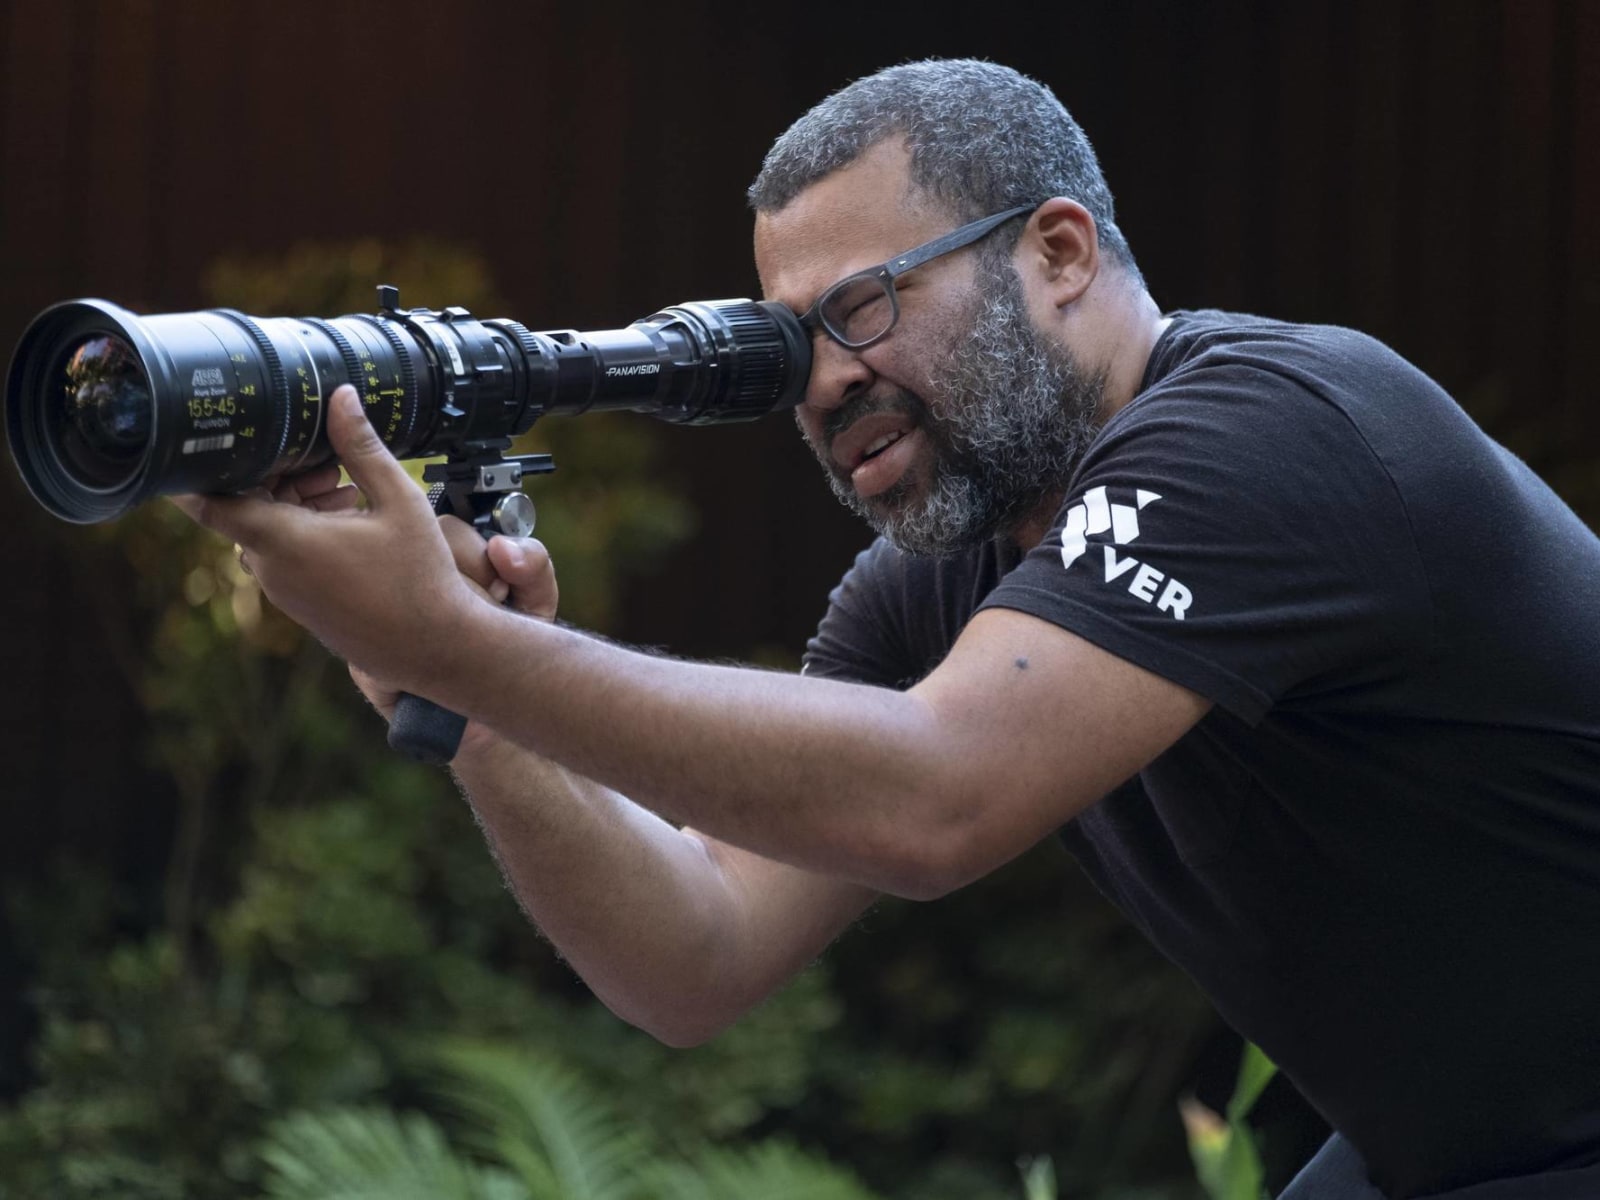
982	137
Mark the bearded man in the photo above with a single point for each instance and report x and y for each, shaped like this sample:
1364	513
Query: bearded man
1299	662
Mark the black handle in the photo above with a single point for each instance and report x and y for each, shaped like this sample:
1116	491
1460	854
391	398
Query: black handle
426	731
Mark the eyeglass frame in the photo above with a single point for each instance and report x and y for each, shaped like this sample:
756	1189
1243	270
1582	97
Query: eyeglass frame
887	272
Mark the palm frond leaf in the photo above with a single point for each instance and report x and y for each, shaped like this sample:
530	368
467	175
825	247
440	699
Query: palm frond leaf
772	1171
373	1154
561	1139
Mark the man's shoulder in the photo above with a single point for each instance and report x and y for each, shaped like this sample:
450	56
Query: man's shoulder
1236	379
1192	332
1331	362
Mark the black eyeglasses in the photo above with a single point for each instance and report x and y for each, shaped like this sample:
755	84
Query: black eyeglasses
862	308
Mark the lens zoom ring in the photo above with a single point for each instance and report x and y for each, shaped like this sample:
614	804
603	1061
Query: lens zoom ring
408	375
352	364
277	406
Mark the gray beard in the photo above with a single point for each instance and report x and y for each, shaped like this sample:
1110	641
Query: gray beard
1016	415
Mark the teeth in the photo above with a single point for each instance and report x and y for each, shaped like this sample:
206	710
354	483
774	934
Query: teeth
882	443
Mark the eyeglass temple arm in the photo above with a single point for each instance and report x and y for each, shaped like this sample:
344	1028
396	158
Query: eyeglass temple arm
954	240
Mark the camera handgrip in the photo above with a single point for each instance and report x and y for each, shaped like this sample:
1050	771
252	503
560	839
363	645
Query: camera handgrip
428	732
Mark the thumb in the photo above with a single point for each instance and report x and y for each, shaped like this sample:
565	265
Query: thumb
362	453
525	564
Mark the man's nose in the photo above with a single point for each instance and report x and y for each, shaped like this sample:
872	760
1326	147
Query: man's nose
836	373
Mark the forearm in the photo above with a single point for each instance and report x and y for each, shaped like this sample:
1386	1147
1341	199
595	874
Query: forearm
659	922
840	779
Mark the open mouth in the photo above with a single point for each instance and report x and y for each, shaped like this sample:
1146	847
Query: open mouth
881	444
868	437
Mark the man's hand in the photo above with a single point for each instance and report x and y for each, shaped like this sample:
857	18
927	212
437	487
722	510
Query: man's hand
379	586
514	570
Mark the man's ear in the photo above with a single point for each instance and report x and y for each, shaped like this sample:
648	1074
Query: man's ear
1058	253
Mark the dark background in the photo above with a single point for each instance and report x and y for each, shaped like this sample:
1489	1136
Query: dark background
1427	172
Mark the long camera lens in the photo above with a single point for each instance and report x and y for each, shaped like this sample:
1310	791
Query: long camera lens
105	409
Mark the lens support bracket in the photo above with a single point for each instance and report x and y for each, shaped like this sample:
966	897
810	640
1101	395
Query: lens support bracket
482	485
478	482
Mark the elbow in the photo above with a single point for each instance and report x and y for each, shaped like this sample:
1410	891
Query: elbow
686	1038
936	862
955	840
681	1023
685	1032
928	878
930	830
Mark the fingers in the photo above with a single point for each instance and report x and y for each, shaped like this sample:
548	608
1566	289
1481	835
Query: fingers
242	518
471	553
250	519
309	488
372	468
319	491
525	564
341	499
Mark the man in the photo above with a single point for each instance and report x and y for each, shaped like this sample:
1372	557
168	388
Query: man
1303	662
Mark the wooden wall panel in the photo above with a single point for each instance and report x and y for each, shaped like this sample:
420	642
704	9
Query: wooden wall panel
1372	171
1427	170
1578	308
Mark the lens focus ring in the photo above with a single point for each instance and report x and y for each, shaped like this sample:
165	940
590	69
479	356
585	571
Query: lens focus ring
277	408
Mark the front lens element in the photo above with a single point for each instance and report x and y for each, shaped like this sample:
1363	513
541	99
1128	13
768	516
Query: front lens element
102	415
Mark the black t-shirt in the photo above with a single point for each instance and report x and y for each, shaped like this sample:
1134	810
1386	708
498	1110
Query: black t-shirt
1379	853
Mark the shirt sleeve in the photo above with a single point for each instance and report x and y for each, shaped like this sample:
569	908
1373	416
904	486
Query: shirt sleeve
894	616
858	638
1232	531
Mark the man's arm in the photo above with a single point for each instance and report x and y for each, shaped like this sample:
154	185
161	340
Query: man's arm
675	932
1022	727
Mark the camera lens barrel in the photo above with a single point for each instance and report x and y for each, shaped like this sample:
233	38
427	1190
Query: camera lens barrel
105	409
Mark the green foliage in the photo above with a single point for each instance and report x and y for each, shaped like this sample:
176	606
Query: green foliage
1226	1156
375	1155
1020	1016
1039	1179
547	1135
559	1137
772	1170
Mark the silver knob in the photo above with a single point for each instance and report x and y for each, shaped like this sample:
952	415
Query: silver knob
514	515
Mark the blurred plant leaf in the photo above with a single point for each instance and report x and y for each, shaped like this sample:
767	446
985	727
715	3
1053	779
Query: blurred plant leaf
563	1141
370	1154
772	1170
1227	1160
1039	1178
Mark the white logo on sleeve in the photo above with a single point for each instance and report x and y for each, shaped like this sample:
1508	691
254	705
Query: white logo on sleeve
1095	515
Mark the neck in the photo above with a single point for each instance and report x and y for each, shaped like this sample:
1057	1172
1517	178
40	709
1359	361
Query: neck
1133	326
1031	531
1130	323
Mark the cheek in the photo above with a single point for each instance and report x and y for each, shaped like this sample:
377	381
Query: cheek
911	367
925	345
